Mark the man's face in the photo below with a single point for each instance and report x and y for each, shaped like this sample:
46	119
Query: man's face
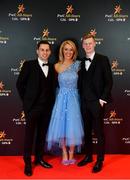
44	52
89	45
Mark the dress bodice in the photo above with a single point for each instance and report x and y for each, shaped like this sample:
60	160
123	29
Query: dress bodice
68	78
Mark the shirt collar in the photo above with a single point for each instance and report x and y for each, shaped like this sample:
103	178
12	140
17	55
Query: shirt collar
91	56
41	61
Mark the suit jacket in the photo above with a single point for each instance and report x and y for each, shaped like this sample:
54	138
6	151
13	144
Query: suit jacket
28	84
96	83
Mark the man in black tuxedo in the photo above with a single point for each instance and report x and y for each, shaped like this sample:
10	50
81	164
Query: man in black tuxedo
36	87
95	84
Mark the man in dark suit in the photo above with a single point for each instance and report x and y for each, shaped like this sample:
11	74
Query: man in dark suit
36	87
95	84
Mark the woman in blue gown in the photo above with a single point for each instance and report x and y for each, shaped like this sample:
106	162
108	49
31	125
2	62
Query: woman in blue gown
66	128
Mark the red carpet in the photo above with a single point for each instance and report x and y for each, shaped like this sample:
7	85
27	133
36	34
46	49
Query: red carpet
115	167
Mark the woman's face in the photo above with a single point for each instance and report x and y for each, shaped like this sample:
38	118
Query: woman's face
68	52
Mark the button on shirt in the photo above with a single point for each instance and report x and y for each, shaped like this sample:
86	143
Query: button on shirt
45	69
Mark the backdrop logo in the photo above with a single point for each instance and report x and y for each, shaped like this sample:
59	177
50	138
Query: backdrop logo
113	118
20	120
4	92
68	16
117	10
126	140
94	33
112	114
20	15
69	10
17	70
46	37
127	92
45	33
116	16
21	9
3	39
1	86
2	135
115	68
3	139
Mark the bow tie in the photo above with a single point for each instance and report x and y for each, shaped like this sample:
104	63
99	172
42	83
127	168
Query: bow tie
87	59
47	64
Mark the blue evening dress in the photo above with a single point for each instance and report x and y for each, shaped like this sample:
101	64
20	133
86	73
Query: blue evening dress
66	121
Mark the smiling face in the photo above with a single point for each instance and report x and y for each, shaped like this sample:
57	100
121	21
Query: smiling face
89	45
44	52
68	52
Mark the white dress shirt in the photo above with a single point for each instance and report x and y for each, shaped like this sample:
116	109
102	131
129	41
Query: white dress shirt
87	63
45	69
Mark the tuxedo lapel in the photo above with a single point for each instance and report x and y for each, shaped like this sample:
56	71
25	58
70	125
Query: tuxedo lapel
92	65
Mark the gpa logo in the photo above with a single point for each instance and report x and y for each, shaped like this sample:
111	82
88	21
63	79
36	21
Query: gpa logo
45	35
116	16
113	119
20	15
3	91
115	68
69	15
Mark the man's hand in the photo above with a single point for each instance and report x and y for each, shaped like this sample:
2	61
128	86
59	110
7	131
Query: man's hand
102	102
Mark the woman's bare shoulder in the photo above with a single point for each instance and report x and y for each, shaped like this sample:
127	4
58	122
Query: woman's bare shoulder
57	66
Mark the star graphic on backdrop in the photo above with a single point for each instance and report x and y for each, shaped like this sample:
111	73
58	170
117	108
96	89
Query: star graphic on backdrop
45	33
21	64
93	32
1	86
2	134
20	8
114	64
69	9
117	10
22	115
112	114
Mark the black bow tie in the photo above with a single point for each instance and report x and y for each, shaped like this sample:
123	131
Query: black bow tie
47	64
87	59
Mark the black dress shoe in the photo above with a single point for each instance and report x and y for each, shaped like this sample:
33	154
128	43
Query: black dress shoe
28	169
43	163
85	161
97	167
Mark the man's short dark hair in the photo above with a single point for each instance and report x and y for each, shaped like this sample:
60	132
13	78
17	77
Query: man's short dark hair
43	42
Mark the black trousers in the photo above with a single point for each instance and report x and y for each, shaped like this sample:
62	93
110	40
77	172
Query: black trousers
37	121
93	114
